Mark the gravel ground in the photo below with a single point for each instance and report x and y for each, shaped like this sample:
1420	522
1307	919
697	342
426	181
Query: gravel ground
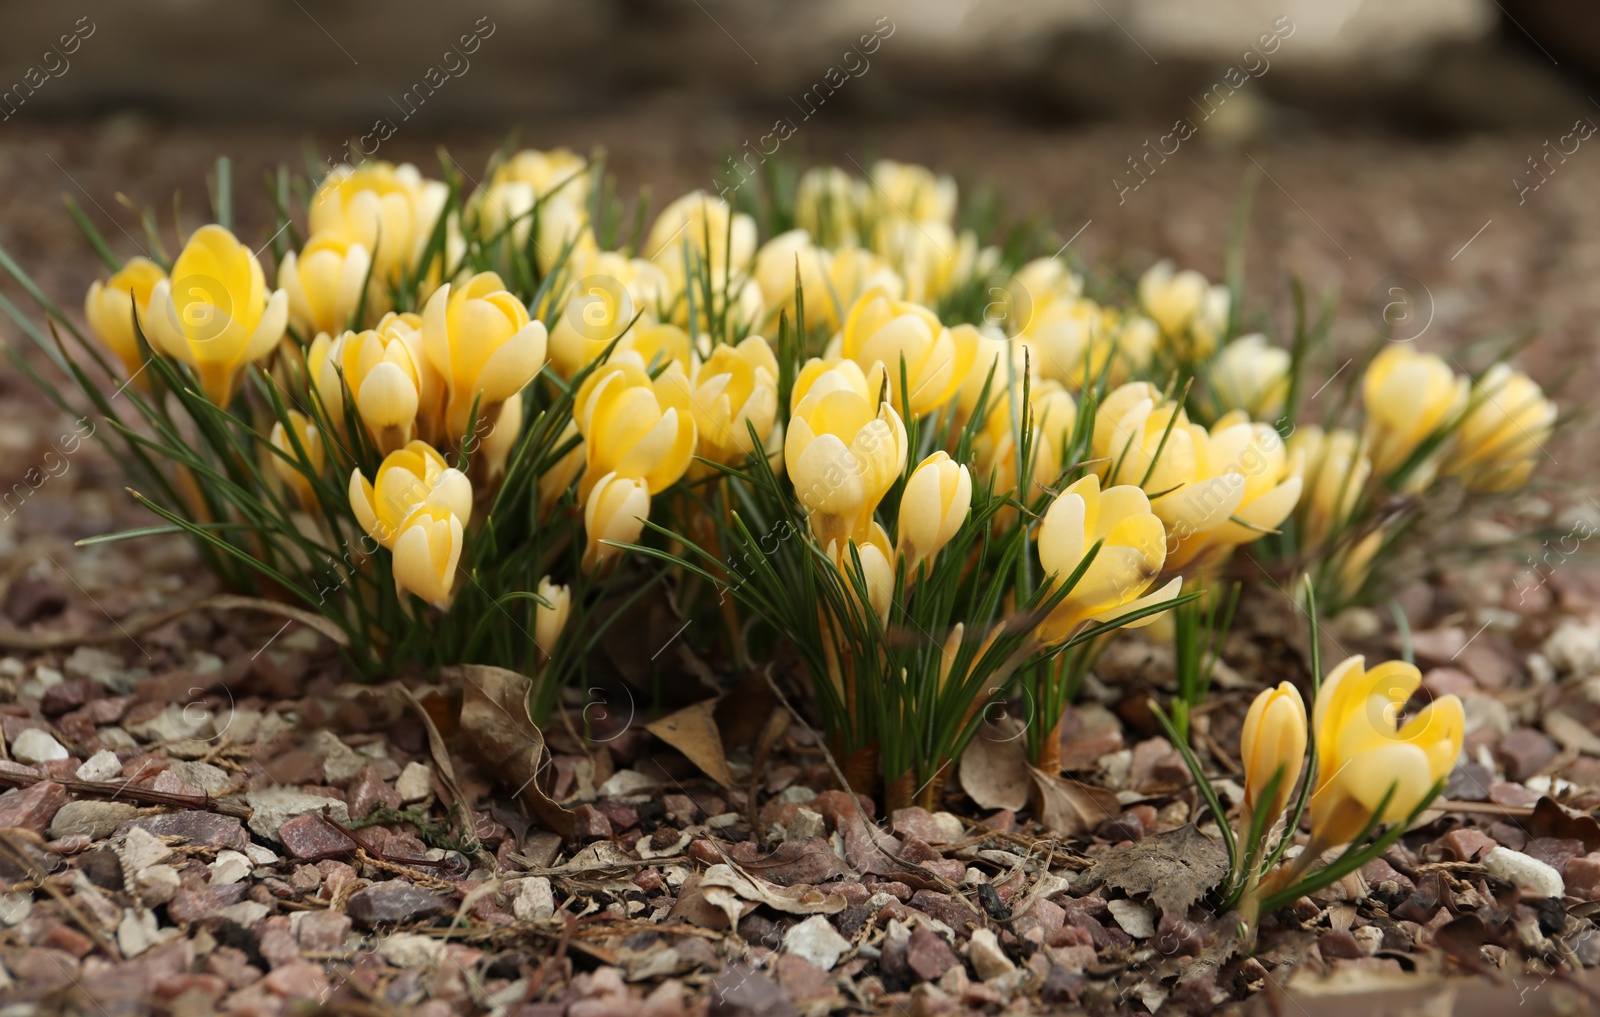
220	848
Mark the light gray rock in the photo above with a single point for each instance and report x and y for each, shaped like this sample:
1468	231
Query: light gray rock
34	746
229	867
91	818
415	783
805	825
1534	878
103	765
213	780
816	940
1135	918
272	807
535	900
988	960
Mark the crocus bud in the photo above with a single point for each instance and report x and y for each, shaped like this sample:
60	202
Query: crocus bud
1135	428
556	171
110	307
324	283
389	210
408	479
550	617
776	265
844	448
216	314
1408	396
698	228
1336	471
381	373
1250	375
426	554
910	192
481	341
600	308
904	337
830	205
1362	750
1273	739
1053	414
634	425
852	271
734	390
315	457
877	569
1173	299
933	506
1133	547
558	477
615	510
1244	486
1507	423
503	432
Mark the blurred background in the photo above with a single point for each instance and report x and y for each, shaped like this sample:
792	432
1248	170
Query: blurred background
1425	150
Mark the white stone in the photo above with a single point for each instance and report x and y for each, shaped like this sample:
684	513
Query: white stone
177	722
93	819
950	826
1531	876
260	855
99	666
245	913
1370	937
113	737
816	940
14	907
13	667
158	884
35	746
805	825
535	901
1134	918
988	960
797	794
274	806
213	780
229	867
410	950
415	783
626	782
1574	647
339	761
103	765
141	849
138	931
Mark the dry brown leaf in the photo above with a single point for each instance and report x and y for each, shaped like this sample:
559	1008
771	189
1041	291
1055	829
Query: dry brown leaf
438	749
799	899
496	728
1175	869
693	732
994	768
1570	733
1068	807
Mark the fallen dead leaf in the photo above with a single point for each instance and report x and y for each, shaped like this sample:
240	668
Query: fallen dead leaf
496	728
994	768
1570	733
693	732
1175	869
800	899
1550	819
1069	807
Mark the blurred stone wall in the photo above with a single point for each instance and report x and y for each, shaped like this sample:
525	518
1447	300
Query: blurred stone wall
343	62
